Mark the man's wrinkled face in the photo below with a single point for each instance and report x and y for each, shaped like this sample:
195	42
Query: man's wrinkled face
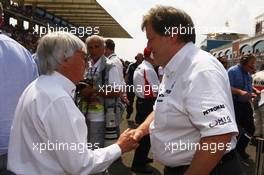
95	49
158	45
74	66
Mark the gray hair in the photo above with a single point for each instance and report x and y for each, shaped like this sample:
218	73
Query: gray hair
56	46
97	39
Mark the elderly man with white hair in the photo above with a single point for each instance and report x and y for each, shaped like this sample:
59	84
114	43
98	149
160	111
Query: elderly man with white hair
48	134
102	94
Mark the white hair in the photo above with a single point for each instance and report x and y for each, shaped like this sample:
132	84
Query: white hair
56	46
97	39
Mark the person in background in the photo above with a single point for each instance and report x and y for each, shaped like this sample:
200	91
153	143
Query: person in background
113	59
129	81
258	83
224	62
146	78
101	75
243	92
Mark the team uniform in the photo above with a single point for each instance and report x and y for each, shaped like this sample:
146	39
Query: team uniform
194	101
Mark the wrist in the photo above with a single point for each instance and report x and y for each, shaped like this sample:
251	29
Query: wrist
241	92
120	146
143	130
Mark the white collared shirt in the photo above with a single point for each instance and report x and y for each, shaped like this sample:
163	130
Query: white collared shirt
139	79
114	78
194	101
47	118
113	59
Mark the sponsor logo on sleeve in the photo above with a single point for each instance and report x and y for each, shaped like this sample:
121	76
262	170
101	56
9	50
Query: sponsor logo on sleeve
220	121
215	108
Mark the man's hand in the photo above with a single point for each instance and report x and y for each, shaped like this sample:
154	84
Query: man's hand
136	134
129	138
246	95
126	141
143	129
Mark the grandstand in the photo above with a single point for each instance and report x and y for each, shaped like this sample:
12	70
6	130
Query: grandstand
27	20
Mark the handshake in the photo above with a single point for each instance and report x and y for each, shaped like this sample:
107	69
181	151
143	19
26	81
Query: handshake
129	139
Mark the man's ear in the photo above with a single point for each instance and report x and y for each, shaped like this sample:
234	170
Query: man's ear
64	62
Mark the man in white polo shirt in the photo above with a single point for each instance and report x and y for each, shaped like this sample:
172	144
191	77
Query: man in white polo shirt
192	129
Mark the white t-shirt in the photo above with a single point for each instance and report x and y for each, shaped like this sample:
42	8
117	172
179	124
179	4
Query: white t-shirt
113	59
139	81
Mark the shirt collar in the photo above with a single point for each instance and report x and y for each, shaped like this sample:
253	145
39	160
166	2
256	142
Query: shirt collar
148	64
97	64
177	59
112	56
66	84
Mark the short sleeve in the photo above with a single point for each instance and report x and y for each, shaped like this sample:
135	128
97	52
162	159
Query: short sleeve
209	104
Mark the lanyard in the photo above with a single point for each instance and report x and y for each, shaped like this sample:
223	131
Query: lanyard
91	74
113	55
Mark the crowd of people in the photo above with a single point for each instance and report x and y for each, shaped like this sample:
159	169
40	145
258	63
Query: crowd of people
22	36
25	36
61	111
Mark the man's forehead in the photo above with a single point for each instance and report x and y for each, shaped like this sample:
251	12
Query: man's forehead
94	42
150	32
